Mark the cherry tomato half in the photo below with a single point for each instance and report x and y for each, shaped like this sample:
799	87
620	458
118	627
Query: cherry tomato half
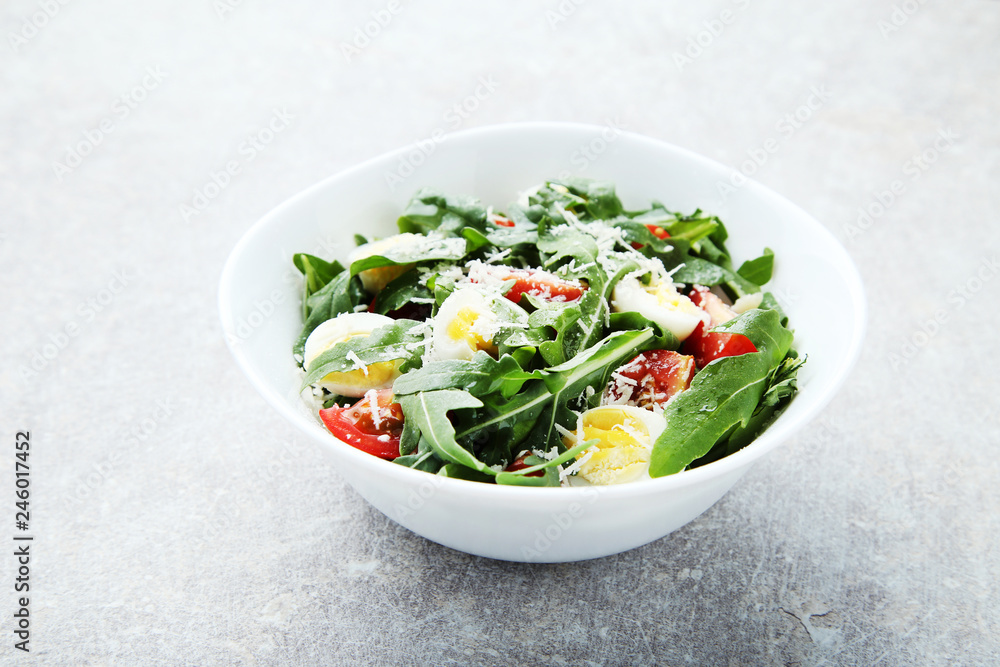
376	432
540	284
654	376
707	346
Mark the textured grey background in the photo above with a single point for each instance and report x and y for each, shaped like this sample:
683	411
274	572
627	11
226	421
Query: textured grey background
220	536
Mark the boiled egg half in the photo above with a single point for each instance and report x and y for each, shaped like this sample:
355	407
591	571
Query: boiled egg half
344	327
374	280
626	435
465	324
660	302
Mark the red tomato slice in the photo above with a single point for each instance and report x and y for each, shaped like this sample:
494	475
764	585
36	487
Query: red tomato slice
360	427
654	376
540	284
707	346
658	232
502	221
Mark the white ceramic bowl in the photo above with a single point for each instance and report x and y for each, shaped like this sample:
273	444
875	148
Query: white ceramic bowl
260	306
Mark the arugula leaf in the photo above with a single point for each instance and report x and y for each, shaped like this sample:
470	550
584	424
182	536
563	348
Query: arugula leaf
481	375
399	292
414	250
630	320
758	270
771	303
724	393
548	198
726	396
697	271
549	468
456	471
423	459
316	273
429	409
429	210
601	201
634	231
409	439
781	387
763	328
509	237
692	230
475	238
559	384
560	242
550	476
340	295
387	343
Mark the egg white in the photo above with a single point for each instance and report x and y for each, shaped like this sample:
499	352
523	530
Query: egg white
660	302
464	324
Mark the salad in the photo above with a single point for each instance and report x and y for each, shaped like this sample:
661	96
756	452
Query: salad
564	341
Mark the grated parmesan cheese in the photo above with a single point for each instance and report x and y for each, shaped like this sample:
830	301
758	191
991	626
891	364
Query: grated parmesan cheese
359	365
371	397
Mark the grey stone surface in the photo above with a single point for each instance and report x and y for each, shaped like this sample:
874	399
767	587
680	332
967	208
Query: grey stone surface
218	535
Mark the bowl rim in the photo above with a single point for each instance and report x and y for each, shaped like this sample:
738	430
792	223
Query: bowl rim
775	434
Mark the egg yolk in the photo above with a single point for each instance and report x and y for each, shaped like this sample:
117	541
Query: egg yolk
462	327
665	293
374	375
375	280
622	451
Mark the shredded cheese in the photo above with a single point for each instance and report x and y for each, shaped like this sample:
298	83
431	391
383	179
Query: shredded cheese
371	397
359	365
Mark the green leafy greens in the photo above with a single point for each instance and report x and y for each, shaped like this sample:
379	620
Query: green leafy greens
552	358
